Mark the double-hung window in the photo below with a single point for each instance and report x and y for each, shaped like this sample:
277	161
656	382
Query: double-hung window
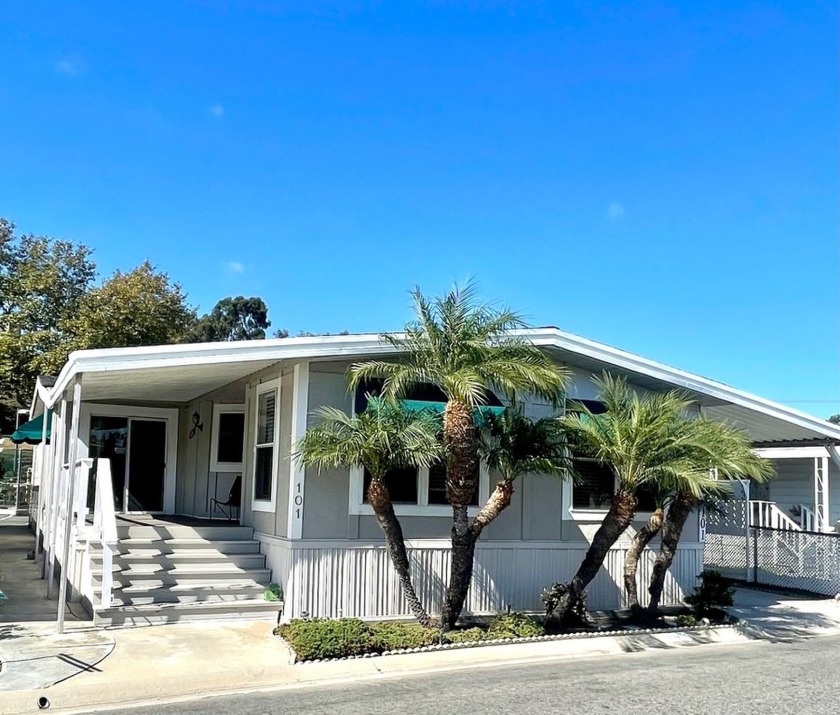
267	428
228	439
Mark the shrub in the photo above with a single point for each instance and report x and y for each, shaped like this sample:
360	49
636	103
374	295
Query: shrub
325	638
468	634
273	593
686	620
513	625
714	593
395	635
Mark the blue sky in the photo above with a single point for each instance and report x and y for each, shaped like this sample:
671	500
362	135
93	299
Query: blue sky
659	176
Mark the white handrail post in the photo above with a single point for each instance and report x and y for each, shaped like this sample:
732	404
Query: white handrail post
105	522
68	522
56	490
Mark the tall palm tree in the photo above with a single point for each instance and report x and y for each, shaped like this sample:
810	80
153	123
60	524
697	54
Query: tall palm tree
380	439
646	439
730	454
467	349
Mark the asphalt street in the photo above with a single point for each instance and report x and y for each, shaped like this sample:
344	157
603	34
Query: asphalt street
772	678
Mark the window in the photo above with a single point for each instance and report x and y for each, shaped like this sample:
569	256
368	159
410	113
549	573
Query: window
596	487
407	485
401	483
267	424
228	438
437	485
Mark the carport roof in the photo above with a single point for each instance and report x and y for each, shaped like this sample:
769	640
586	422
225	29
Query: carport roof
180	373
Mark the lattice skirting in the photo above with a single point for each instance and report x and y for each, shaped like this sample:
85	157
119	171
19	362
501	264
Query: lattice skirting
332	579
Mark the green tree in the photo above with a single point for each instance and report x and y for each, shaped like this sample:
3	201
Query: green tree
648	440
231	319
834	419
140	307
515	445
466	349
42	283
381	439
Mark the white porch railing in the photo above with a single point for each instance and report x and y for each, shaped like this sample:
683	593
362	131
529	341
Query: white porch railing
767	514
807	518
105	527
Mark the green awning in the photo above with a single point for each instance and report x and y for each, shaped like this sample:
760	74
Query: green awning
438	407
31	432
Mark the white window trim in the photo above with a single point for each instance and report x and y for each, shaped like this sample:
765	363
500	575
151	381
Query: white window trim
218	411
422	508
262	504
570	513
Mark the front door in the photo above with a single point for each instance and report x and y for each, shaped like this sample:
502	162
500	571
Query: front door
137	450
146	465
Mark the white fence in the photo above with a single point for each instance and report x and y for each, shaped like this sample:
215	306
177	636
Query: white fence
329	579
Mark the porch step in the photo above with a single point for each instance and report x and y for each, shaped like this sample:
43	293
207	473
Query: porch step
163	613
188	593
164	573
212	558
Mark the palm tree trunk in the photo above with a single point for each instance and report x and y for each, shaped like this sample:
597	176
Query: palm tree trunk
380	501
461	445
615	523
631	561
672	528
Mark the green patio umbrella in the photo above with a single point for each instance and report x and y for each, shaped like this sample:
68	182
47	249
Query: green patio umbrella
31	432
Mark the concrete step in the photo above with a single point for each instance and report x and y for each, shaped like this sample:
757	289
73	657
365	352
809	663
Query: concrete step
149	574
180	531
169	546
189	593
162	613
136	559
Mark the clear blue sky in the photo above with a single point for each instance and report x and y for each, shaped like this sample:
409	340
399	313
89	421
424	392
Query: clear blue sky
661	177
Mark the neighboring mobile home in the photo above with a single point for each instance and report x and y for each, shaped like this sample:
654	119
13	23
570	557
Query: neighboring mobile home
178	424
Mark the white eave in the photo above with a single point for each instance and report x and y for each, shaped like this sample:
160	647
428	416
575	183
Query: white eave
189	370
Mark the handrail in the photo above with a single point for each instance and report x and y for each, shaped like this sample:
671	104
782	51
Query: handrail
105	526
806	518
767	514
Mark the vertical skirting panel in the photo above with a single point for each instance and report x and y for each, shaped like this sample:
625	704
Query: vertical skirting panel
329	580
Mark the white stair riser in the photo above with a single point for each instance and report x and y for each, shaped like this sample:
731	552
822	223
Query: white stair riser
167	561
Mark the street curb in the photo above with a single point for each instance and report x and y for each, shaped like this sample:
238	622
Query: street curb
91	696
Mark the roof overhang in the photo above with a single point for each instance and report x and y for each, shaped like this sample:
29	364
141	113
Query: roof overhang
180	373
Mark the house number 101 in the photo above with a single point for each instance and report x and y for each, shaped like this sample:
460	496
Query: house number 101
298	501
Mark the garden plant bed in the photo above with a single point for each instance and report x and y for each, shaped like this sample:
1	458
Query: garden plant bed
318	641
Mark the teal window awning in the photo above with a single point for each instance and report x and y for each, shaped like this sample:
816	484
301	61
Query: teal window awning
32	431
439	407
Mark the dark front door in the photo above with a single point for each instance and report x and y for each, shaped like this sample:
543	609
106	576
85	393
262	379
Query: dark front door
146	465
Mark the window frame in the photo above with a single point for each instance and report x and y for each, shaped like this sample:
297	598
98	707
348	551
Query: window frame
359	507
267	505
218	411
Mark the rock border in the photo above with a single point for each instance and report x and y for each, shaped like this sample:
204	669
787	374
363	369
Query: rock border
512	641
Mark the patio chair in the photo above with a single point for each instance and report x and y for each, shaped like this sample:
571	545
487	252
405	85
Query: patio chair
234	501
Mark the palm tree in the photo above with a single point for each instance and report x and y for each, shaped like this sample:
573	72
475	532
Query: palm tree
380	439
467	350
730	454
515	445
649	439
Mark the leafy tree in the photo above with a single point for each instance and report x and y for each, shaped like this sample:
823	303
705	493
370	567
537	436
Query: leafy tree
42	283
648	440
231	319
466	349
380	439
141	307
515	445
834	419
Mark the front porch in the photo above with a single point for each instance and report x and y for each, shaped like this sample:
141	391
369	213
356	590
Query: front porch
802	496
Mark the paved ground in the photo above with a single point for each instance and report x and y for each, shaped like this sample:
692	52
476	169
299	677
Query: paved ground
88	668
738	680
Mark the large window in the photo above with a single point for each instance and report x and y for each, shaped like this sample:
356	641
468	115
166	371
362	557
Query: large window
265	456
228	438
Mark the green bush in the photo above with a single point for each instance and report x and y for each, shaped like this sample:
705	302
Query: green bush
687	620
714	593
469	634
395	635
273	593
325	638
513	625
